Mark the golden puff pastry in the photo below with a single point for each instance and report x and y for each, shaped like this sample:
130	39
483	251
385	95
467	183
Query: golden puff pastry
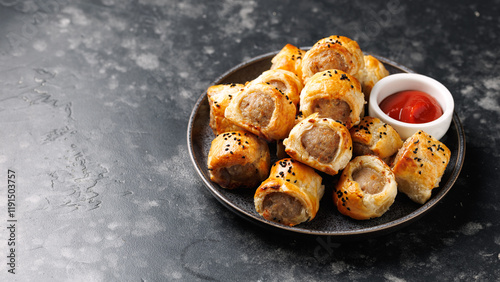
219	97
238	159
286	81
321	143
374	137
366	189
373	71
419	166
333	94
289	58
291	194
333	52
263	110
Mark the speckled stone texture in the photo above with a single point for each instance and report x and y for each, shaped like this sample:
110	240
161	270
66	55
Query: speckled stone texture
95	99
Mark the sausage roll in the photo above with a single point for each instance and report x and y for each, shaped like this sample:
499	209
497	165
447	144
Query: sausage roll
374	137
366	188
333	94
334	52
291	194
373	71
419	166
219	97
321	143
286	81
263	110
238	159
289	58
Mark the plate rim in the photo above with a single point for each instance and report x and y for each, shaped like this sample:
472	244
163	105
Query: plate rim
381	229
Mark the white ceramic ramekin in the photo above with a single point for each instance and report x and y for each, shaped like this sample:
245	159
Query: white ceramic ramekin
411	81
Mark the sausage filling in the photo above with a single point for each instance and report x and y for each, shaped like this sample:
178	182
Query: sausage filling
240	173
258	108
283	208
279	84
369	180
335	109
359	149
321	142
328	61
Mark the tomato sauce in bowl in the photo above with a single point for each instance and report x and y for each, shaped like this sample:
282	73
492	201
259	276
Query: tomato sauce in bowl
419	103
412	106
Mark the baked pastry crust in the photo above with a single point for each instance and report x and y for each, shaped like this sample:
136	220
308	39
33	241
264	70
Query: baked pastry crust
263	110
353	196
333	52
238	159
321	143
286	81
326	89
374	137
419	166
373	71
219	97
289	58
302	188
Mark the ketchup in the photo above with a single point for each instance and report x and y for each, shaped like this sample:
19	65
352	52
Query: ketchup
411	106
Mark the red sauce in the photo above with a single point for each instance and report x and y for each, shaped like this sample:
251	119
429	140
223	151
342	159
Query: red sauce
411	106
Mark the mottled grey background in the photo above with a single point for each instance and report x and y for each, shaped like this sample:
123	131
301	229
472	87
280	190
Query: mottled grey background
95	98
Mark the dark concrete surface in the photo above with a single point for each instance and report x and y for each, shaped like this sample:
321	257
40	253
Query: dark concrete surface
95	98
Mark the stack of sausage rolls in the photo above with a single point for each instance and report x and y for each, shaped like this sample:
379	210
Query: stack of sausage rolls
312	104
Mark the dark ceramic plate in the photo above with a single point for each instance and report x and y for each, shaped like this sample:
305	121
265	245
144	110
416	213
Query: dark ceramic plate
328	220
